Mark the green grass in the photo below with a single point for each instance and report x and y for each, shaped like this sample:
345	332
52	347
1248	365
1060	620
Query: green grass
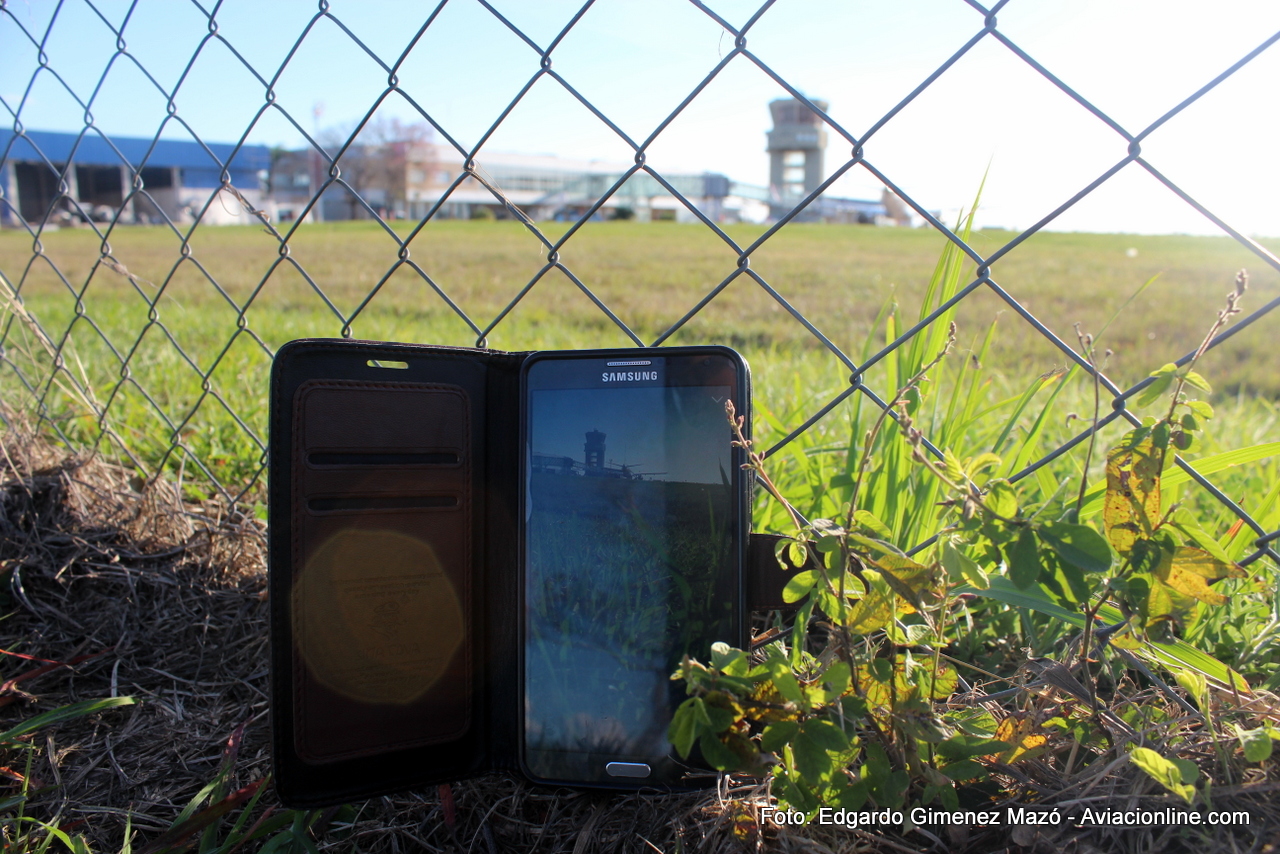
841	277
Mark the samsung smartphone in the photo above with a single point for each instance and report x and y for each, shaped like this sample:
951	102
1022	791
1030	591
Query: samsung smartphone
634	532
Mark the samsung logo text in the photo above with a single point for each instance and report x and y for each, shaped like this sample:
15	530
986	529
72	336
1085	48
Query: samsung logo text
627	376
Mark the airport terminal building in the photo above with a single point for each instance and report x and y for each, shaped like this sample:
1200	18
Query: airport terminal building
66	178
69	178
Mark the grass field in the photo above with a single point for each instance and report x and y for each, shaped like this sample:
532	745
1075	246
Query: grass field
840	277
999	391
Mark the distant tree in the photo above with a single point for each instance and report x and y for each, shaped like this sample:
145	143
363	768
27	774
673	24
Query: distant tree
376	160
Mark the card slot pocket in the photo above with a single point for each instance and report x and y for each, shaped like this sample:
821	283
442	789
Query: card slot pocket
383	458
357	503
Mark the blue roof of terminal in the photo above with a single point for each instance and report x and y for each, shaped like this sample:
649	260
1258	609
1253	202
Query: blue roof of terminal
93	149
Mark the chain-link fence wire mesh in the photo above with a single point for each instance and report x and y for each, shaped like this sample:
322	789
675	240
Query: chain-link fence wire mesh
57	372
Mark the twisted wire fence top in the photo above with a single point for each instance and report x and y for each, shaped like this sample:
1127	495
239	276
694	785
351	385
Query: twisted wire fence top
21	142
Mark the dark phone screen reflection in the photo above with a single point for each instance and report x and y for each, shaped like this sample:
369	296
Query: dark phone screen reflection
630	508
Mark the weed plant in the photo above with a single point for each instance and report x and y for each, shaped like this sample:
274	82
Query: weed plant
914	572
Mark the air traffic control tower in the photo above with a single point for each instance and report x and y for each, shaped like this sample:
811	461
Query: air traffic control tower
795	151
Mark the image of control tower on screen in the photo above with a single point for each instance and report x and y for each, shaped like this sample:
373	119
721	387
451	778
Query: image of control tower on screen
594	463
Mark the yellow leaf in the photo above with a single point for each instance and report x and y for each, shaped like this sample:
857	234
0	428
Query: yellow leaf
1166	601
1126	638
744	823
770	706
875	609
1132	505
938	684
1022	735
914	583
1192	570
879	695
1205	565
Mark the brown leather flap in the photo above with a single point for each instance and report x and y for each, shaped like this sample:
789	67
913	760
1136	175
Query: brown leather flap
382	569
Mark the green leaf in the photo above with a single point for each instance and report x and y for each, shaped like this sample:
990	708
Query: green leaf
828	736
1256	744
683	730
728	660
1197	381
1192	682
837	678
954	470
1153	392
1024	559
799	585
1188	769
1201	408
1160	435
784	680
1179	653
791	795
981	463
912	635
1001	499
778	734
1034	597
780	551
812	760
868	520
718	719
965	746
1065	582
1078	545
965	769
797	554
714	751
938	684
871	543
848	795
1162	771
961	567
910	580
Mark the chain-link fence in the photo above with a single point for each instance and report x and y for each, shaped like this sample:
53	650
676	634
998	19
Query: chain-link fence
333	165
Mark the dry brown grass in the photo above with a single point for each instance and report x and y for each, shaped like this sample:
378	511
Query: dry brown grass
170	596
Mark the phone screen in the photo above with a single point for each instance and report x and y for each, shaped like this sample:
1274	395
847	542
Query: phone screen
632	527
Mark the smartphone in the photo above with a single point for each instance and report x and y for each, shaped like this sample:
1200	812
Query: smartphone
634	528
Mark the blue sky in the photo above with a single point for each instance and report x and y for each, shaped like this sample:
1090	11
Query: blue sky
637	59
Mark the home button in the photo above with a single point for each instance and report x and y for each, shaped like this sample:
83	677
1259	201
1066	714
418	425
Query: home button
627	769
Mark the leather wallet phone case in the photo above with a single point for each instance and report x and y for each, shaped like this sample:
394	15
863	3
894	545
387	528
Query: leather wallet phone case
393	575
